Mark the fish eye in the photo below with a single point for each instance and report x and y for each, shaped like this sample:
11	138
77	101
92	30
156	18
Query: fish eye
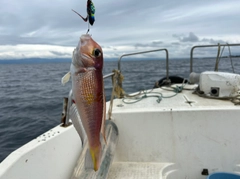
97	52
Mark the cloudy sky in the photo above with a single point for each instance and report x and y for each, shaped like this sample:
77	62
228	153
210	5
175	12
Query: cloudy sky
49	29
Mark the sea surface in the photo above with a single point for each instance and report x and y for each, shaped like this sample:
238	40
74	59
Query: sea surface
31	95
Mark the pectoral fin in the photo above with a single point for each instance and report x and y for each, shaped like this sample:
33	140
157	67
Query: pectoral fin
66	78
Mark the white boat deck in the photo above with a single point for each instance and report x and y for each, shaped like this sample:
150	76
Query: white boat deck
184	100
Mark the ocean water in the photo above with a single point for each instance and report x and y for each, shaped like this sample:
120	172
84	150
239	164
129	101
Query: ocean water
31	95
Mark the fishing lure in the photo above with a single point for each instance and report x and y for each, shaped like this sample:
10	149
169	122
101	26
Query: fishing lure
90	14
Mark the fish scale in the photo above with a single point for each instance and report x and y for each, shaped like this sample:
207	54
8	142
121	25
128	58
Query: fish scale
89	107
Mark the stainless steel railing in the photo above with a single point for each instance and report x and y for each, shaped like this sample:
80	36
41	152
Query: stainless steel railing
138	53
108	75
204	46
143	52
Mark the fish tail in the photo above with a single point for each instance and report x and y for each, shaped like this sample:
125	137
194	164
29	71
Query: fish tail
96	156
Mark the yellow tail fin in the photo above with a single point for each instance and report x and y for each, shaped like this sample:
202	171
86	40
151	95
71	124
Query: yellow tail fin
96	157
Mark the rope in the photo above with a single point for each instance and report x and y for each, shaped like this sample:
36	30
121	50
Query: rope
236	100
145	94
117	90
137	98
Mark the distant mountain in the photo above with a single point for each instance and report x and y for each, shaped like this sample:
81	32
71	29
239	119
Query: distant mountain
42	60
35	60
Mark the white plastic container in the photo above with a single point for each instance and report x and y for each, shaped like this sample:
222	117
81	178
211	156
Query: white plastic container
219	84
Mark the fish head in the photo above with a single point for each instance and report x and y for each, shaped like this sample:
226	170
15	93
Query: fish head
88	53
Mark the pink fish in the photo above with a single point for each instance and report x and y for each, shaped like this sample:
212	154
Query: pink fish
88	92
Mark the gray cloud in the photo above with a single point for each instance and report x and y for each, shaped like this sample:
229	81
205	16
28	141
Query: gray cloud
110	47
178	36
194	38
175	43
61	54
190	38
212	41
152	44
157	42
122	23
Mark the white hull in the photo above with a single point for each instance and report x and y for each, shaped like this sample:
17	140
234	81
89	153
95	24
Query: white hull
52	155
173	139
